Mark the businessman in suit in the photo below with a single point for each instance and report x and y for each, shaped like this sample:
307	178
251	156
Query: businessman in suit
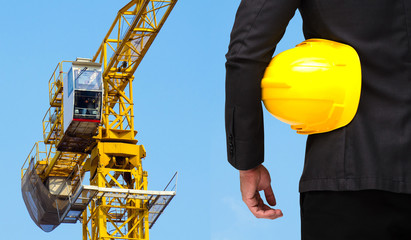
356	181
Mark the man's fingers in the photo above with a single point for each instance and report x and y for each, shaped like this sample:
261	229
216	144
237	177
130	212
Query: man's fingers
269	196
261	210
266	212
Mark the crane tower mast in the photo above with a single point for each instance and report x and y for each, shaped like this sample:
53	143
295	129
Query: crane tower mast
98	138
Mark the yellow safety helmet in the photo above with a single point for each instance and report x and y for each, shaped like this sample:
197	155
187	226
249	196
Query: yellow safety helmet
315	87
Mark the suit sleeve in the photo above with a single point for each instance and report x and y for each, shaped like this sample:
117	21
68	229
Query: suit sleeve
259	25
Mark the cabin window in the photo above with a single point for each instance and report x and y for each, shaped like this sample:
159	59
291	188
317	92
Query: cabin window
87	79
87	105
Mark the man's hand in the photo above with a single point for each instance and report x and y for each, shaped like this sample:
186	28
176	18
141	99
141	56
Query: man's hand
252	181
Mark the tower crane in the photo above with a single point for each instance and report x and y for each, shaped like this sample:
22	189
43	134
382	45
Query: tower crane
88	131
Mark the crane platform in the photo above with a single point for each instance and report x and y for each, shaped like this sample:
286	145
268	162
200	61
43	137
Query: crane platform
156	201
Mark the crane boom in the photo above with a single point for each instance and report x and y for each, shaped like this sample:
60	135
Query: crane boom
121	51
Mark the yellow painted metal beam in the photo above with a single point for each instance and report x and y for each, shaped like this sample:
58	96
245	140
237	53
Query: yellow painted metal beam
51	165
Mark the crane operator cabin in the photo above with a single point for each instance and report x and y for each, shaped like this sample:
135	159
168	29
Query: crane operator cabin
82	101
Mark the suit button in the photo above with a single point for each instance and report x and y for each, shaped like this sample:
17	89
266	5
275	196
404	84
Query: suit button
231	144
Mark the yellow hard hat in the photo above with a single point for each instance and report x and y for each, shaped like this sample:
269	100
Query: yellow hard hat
315	87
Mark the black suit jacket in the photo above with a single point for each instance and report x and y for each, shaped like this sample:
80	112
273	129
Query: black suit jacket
374	150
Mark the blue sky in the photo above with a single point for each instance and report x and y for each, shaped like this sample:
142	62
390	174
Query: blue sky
179	109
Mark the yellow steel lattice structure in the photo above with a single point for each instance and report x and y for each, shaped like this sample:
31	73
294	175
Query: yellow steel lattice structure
117	205
123	48
116	156
115	217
